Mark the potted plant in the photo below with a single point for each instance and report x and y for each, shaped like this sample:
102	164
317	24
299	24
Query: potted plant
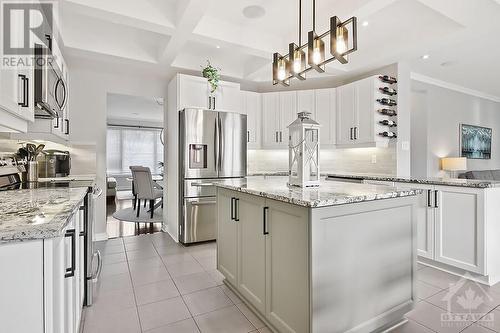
211	73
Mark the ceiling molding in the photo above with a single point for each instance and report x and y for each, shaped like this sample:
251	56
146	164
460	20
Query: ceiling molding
451	86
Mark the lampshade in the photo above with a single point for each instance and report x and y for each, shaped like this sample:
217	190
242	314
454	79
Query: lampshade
454	163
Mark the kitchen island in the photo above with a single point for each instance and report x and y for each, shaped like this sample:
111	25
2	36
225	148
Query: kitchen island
337	258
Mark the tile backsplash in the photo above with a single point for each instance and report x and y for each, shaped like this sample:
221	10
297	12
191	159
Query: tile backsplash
353	160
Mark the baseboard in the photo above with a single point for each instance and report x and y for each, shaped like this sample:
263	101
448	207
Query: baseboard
164	228
101	237
461	273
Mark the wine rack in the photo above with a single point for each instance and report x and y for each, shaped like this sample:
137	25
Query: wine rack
388	102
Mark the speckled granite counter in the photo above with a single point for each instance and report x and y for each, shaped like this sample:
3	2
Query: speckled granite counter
37	213
430	181
328	194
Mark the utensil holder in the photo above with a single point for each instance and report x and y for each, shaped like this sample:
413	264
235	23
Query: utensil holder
31	174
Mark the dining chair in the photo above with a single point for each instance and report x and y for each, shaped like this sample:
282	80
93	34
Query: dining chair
145	188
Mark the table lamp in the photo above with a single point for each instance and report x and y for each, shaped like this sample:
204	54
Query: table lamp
454	164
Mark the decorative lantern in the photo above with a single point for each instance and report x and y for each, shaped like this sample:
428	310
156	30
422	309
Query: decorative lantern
303	151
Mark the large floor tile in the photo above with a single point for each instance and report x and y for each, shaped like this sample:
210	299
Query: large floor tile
115	282
437	277
139	246
491	320
425	290
155	292
149	275
227	320
125	321
436	318
194	282
184	326
162	313
206	300
111	249
468	297
208	263
141	264
142	254
184	268
217	276
171	249
113	258
412	327
112	300
170	259
114	269
477	329
252	318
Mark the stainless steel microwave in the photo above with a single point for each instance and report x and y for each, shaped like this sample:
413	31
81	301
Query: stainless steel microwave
51	90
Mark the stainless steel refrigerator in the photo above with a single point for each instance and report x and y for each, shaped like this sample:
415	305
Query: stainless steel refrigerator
212	148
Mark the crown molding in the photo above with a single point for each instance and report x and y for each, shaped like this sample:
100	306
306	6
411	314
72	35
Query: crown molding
447	85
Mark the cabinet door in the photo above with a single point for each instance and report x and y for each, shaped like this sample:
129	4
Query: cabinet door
252	250
288	113
227	237
345	114
305	102
270	119
253	109
70	284
193	92
325	114
365	109
425	219
287	267
227	97
460	239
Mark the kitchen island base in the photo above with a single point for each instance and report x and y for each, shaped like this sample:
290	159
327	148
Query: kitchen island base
337	268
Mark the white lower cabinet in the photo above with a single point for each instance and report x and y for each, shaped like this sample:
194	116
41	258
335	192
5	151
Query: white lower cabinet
271	253
41	284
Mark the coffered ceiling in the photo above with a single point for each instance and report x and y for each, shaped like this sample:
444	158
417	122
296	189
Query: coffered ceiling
162	37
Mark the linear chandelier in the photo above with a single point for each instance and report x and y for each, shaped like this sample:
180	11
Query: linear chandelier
297	62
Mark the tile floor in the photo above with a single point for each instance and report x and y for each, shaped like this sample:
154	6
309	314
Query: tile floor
151	284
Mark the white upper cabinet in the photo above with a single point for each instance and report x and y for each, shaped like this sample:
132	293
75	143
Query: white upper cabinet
325	115
358	122
194	92
270	119
306	101
252	106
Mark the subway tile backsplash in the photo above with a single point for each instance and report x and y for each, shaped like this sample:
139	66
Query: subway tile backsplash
353	160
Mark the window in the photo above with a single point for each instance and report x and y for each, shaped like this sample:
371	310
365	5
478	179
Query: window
128	146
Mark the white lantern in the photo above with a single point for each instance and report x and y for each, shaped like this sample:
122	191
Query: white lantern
303	151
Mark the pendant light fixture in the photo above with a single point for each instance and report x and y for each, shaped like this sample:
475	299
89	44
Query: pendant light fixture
293	64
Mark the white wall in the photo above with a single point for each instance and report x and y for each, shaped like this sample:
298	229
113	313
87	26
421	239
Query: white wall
437	113
89	91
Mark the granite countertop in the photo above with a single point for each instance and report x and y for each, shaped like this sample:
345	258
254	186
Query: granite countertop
328	194
430	181
37	213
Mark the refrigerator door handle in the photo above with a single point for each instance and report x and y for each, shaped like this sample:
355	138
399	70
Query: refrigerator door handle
221	145
216	144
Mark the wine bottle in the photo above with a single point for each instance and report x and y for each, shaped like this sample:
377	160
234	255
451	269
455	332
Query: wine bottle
387	101
388	134
388	91
388	79
389	123
388	112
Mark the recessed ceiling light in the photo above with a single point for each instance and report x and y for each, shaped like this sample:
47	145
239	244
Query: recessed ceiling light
217	46
365	23
253	12
135	113
425	56
447	63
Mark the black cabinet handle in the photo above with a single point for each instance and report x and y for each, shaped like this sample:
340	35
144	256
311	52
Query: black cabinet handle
84	229
49	39
281	136
210	102
351	134
355	133
236	209
264	221
71	271
276	136
214	103
23	80
27	92
429	198
67	126
232	209
248	136
436	195
57	122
